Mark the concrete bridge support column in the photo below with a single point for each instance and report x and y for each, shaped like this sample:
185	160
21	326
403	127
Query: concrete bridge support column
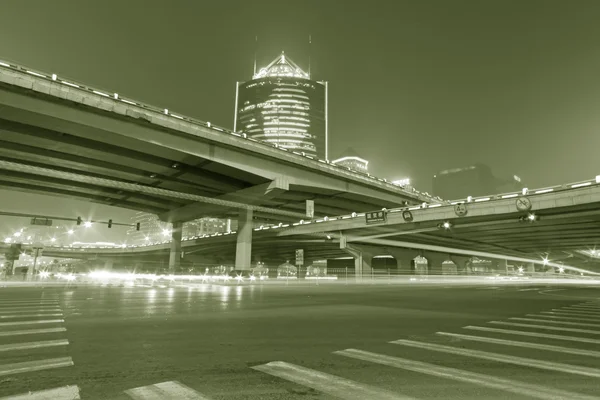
530	268
435	261
175	253
362	259
108	265
243	248
461	263
503	267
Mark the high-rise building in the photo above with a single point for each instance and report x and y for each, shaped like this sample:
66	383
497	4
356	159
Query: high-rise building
151	228
351	159
474	180
154	230
284	107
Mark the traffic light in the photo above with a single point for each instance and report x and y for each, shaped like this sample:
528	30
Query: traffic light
78	220
110	223
137	226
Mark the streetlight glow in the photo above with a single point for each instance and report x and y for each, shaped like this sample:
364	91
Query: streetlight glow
87	224
17	234
70	231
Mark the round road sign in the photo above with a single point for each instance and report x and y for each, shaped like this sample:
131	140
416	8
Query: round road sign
523	204
460	209
407	216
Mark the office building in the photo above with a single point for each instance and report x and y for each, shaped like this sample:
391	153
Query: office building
284	107
350	159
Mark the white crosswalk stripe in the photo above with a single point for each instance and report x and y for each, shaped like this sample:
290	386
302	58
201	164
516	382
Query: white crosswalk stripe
533	334
33	345
62	393
550	328
555	322
511	386
527	345
164	391
526	362
41	321
570	314
563	317
32	331
38	365
576	311
27	309
30	315
329	384
583	306
43	310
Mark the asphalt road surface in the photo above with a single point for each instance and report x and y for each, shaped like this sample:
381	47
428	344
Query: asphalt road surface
273	342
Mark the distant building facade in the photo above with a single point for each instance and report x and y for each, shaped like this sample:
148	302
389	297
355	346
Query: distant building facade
282	106
154	230
350	159
474	180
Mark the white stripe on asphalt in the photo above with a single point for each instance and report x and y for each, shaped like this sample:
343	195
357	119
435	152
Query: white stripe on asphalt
27	303
533	334
570	314
43	310
595	313
524	389
551	328
28	309
583	308
31	315
484	355
165	390
62	393
561	317
41	321
29	366
32	331
529	345
529	289
586	306
555	322
34	345
326	383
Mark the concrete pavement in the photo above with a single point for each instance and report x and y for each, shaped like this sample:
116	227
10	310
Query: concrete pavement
300	342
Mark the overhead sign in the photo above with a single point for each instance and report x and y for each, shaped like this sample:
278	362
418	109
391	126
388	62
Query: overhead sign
310	208
460	209
375	217
300	257
407	216
41	221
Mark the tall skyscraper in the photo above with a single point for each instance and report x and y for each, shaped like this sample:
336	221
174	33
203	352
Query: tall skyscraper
282	106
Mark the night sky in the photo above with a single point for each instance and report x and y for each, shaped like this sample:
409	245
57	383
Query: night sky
415	86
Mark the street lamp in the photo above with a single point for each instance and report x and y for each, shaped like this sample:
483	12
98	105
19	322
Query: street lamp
17	234
53	240
70	231
87	224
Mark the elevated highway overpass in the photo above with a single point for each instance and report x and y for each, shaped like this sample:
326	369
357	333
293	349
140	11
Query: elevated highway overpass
65	138
68	139
560	223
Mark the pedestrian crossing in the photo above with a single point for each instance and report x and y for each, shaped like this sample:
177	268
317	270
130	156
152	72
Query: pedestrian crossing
42	320
546	337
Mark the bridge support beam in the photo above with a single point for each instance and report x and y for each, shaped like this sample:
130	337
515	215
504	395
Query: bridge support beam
530	267
175	253
243	247
108	265
362	259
